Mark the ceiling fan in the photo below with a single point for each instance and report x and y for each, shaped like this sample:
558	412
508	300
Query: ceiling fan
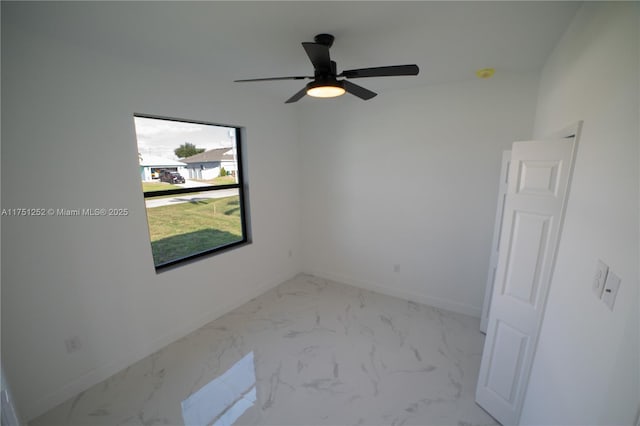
325	82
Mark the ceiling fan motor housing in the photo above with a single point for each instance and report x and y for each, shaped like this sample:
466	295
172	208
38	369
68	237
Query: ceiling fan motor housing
323	73
325	81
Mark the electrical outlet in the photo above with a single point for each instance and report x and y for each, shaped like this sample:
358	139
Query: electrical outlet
599	278
611	287
73	344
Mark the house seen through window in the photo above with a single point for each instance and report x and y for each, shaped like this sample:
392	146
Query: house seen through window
191	174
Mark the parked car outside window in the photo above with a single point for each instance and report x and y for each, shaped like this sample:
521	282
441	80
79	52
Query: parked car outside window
171	177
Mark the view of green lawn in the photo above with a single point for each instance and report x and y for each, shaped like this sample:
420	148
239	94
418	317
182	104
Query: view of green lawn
221	180
180	230
157	186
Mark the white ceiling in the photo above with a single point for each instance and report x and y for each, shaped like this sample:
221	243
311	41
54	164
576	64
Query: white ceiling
234	40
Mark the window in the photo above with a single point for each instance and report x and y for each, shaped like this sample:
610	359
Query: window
191	175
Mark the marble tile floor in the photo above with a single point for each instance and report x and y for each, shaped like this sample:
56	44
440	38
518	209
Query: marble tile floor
308	352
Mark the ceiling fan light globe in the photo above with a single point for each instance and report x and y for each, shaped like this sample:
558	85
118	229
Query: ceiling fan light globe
326	91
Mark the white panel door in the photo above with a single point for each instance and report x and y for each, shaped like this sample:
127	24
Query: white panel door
495	244
539	176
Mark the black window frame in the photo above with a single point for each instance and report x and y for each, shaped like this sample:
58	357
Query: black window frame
240	186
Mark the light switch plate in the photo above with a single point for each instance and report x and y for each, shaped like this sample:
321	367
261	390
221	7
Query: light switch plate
611	286
599	278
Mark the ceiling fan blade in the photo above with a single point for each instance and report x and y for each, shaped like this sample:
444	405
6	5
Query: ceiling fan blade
273	79
391	71
297	96
358	91
319	56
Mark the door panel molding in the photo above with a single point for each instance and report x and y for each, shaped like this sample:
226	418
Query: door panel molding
495	244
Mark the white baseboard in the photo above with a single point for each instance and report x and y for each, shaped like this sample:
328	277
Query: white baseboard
436	302
36	408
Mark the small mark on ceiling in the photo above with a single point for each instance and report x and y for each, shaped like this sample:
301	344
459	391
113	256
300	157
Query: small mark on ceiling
485	73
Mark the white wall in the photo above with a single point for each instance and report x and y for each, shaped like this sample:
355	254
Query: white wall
411	179
68	142
586	365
